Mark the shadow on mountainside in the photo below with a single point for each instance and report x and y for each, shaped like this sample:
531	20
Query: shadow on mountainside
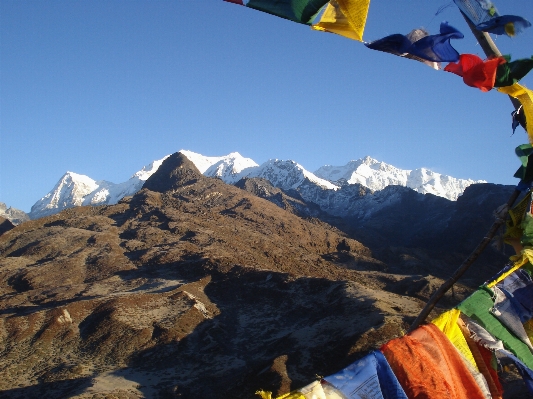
441	229
272	332
56	389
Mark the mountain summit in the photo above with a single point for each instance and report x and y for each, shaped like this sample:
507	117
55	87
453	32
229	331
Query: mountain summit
71	190
175	171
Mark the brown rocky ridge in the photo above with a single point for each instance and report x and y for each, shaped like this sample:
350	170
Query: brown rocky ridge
5	225
192	288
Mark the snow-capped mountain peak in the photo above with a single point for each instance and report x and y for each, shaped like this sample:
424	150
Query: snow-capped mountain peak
230	168
69	191
378	175
288	174
74	189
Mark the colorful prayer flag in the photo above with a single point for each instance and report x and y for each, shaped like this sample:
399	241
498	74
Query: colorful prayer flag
476	72
302	11
525	372
369	377
447	323
478	306
525	96
413	36
315	390
512	71
477	11
508	25
434	48
488	340
485	361
344	17
524	152
504	309
428	366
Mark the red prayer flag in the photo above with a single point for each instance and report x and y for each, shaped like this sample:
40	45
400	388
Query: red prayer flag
427	365
476	72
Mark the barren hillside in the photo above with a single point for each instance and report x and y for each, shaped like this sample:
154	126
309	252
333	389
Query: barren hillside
191	288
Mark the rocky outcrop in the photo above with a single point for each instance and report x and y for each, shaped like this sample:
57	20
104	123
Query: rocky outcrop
175	171
290	200
15	216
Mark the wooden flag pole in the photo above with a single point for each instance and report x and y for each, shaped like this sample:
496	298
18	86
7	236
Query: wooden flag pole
437	295
490	49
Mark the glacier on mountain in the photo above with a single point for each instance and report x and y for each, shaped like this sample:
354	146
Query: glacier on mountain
352	189
287	175
378	175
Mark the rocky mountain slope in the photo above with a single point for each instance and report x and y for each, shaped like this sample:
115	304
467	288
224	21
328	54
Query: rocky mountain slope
195	288
410	232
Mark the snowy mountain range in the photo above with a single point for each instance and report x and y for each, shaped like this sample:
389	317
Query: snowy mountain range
332	188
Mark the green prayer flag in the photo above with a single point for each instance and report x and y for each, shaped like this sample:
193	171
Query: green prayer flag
527	230
477	306
302	11
525	153
512	71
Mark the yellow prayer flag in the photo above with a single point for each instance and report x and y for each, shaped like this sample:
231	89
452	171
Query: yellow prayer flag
447	323
312	391
519	261
345	17
525	96
290	395
528	326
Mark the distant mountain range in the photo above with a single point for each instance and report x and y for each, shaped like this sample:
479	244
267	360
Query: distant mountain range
16	216
333	189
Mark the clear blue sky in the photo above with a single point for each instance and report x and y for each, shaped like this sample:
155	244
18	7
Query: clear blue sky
103	87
